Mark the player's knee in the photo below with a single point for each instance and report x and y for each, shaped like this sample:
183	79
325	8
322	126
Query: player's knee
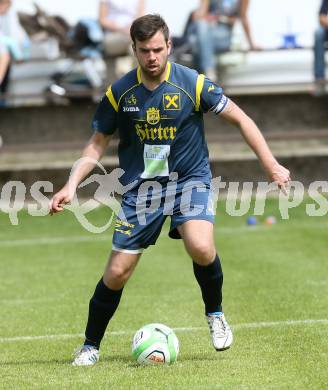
202	253
118	274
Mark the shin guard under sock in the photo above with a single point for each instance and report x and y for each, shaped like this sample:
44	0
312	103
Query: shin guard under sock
102	307
210	280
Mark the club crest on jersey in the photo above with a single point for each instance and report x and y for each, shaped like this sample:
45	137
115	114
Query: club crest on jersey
153	116
171	101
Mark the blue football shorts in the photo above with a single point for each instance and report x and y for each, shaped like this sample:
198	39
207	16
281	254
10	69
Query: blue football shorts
141	218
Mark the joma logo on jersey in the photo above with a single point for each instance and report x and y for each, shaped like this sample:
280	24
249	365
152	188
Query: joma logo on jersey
131	109
171	101
153	116
131	101
151	133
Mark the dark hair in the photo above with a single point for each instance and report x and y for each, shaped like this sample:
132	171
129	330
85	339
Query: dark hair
146	26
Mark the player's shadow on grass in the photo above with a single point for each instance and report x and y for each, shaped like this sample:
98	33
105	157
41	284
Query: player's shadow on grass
197	357
124	359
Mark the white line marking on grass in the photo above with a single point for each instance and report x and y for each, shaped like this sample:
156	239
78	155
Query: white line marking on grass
317	282
256	325
96	237
262	228
44	337
252	325
53	240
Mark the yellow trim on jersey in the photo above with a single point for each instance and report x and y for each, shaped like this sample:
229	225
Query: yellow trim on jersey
199	88
168	72
111	98
139	75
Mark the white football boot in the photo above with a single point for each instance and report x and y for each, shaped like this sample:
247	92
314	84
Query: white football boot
220	331
87	355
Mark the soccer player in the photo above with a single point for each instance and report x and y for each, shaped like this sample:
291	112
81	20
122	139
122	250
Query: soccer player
158	110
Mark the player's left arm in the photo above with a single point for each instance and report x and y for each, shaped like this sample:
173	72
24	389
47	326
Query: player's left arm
253	136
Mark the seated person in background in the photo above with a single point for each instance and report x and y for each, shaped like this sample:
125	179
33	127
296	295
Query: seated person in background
4	67
4	50
211	31
115	17
321	39
11	39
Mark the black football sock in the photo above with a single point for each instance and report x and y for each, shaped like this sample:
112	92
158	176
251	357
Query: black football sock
210	280
102	307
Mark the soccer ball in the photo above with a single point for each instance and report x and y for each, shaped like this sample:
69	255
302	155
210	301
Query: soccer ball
155	344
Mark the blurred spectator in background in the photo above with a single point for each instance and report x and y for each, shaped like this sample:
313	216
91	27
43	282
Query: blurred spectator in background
12	40
211	31
4	67
321	40
115	17
4	50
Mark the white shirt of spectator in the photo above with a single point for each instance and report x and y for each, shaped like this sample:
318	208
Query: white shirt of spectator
122	12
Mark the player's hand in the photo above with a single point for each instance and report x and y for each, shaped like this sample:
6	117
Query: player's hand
280	175
60	199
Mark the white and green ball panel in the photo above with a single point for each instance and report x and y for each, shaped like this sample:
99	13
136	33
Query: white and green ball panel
155	343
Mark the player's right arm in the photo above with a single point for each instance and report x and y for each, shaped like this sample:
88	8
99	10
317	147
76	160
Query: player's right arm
104	125
93	152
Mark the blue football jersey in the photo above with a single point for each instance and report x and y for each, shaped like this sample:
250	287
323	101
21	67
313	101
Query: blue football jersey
160	131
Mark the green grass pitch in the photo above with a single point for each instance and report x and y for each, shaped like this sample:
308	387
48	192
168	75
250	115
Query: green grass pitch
275	299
